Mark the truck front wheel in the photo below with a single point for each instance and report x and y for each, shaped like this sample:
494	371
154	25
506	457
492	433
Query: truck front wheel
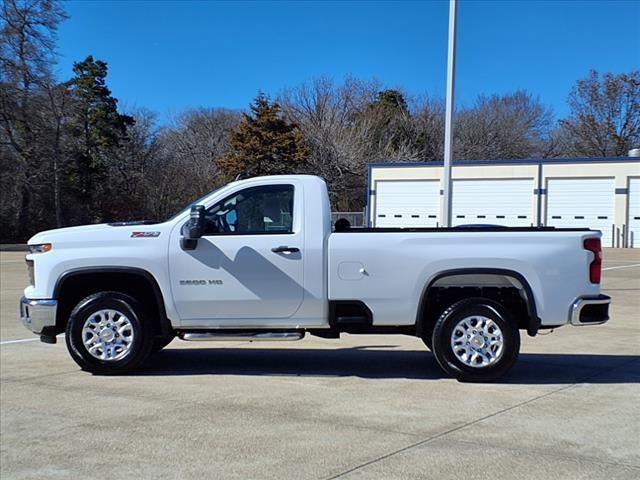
108	333
160	342
475	341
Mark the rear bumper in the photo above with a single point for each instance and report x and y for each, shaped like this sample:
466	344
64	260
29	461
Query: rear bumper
590	310
36	315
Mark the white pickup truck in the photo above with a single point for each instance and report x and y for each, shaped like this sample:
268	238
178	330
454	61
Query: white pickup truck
257	260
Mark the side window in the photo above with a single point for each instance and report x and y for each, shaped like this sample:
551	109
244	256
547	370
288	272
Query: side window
255	210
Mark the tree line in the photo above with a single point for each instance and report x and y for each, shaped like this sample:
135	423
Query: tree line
69	155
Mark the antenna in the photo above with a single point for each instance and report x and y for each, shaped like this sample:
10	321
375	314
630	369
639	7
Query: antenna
242	176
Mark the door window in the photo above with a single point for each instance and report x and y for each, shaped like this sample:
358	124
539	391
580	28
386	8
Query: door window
256	210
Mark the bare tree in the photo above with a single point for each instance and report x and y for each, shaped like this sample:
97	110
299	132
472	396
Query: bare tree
428	121
328	114
129	165
605	115
497	127
185	161
27	40
58	101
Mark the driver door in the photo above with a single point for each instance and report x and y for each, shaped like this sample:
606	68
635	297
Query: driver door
248	265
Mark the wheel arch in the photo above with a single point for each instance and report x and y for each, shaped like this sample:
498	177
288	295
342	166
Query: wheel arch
533	321
75	284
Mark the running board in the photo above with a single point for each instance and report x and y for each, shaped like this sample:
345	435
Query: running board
240	336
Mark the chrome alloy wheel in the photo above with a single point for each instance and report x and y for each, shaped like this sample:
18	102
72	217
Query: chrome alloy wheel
108	335
477	341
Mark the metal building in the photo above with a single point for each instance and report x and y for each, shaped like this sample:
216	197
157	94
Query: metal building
599	193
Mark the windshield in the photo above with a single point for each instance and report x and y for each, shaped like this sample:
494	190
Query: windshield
188	207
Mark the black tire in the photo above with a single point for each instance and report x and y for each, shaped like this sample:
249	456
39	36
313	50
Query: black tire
444	351
139	348
160	342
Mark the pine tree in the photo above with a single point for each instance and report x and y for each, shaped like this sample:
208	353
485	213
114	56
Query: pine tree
387	122
97	129
264	143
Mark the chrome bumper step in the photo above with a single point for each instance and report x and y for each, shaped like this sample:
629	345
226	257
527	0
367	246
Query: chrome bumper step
590	310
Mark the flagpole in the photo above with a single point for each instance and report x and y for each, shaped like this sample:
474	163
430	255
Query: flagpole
448	128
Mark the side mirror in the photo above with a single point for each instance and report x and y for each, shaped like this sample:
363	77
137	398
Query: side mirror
194	228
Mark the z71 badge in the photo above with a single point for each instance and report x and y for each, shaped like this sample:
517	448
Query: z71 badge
145	234
200	282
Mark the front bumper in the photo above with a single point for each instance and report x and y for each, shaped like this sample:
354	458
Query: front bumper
590	310
36	315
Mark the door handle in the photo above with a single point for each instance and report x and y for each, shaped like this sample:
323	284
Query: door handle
285	249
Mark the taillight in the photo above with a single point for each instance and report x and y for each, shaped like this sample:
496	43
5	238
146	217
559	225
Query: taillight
595	269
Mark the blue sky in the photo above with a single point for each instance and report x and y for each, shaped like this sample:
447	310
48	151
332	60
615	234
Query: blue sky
167	55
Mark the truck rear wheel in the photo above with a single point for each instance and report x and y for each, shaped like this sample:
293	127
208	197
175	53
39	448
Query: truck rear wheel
108	333
475	341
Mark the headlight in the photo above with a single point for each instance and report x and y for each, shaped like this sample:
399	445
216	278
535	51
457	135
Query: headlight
32	278
40	248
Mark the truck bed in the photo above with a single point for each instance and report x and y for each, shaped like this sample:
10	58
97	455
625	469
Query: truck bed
389	271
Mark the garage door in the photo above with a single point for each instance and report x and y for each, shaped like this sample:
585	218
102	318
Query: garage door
407	203
634	212
580	203
496	202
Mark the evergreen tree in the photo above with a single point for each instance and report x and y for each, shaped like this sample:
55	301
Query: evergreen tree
386	123
390	103
264	143
97	129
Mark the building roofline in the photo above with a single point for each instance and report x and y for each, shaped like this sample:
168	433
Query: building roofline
519	161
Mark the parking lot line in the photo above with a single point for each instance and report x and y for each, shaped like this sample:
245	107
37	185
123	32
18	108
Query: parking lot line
25	340
22	340
621	266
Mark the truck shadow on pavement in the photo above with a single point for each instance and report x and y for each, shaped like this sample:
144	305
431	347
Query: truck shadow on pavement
376	363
